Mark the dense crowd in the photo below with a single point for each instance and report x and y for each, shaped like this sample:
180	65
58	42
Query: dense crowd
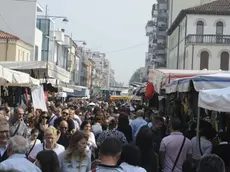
79	136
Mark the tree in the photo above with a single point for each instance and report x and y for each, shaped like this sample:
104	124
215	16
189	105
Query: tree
137	76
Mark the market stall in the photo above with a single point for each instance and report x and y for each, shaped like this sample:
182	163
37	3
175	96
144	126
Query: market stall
10	77
162	77
201	82
213	99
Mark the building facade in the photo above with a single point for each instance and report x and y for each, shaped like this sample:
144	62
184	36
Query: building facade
102	70
200	37
13	49
46	25
175	6
156	31
19	18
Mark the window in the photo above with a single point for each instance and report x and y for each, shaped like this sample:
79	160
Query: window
19	54
23	56
36	52
27	56
219	31
199	31
224	61
219	28
204	60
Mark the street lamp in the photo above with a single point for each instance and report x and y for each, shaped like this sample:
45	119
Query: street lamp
83	42
54	17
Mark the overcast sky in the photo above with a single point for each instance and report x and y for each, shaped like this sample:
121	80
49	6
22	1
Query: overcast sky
108	26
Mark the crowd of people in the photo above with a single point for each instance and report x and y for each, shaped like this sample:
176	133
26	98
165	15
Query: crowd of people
79	136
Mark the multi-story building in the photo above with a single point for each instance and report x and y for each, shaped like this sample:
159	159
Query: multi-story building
83	56
175	7
200	37
151	29
161	35
19	18
156	31
90	71
73	63
47	26
113	82
102	70
12	48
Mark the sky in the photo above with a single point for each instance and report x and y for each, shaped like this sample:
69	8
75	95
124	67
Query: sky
108	26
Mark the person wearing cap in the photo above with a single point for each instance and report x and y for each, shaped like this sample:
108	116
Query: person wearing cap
66	117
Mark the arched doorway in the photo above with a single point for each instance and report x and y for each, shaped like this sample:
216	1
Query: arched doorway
224	61
204	60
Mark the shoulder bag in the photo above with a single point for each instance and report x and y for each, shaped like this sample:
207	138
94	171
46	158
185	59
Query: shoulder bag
182	145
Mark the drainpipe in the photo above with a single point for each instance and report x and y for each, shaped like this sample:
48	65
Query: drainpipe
192	56
185	34
7	47
178	47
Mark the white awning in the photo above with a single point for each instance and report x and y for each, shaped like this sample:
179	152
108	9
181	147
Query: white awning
215	99
65	89
40	69
15	78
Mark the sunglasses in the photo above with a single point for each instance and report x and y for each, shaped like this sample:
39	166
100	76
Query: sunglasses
45	117
64	128
65	113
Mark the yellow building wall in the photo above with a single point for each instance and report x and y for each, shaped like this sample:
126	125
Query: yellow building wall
16	51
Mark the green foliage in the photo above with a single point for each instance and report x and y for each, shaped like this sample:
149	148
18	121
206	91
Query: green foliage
137	76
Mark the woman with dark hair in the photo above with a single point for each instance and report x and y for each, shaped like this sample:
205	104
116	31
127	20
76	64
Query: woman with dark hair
32	140
86	128
124	127
42	125
131	159
149	159
47	161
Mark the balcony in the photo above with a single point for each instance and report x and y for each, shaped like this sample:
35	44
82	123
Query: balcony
162	1
162	28
160	52
162	14
60	37
67	42
208	39
161	33
161	46
154	13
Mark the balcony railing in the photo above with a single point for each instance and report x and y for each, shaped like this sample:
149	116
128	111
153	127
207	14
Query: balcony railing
158	52
208	39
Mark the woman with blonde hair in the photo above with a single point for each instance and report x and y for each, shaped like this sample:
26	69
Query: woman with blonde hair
75	158
50	143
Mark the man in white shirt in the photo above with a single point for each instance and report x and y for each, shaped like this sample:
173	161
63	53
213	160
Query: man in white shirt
16	149
175	149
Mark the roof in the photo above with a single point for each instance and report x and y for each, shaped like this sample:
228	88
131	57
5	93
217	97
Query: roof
219	7
4	35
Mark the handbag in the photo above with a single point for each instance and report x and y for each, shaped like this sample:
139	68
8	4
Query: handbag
182	145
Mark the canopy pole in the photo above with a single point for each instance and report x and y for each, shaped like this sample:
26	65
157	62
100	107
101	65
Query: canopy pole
197	128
